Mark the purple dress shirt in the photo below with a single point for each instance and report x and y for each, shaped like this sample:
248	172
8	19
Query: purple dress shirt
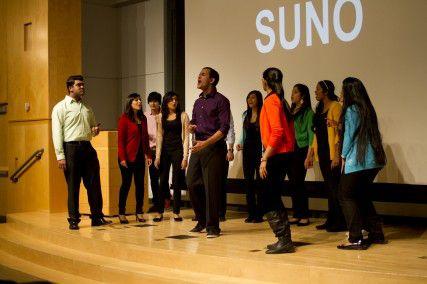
211	112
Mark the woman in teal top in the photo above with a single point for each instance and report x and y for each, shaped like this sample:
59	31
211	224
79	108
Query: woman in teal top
303	124
363	157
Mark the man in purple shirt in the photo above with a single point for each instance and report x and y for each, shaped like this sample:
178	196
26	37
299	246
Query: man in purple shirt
210	124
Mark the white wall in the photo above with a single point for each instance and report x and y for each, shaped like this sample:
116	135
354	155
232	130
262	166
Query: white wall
123	52
142	48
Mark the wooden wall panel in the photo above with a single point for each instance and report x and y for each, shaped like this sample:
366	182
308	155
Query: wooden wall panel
3	52
27	70
31	193
65	45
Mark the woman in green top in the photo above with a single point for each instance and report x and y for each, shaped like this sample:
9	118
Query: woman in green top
303	122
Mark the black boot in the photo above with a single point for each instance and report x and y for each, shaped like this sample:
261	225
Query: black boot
278	222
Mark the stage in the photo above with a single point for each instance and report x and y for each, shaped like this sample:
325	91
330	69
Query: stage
40	244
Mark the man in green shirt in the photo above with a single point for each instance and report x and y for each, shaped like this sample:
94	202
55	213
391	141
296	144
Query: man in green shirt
73	126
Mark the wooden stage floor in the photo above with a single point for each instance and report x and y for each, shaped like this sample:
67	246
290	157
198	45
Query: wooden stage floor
237	256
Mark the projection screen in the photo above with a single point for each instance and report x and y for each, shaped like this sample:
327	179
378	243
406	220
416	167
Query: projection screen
382	42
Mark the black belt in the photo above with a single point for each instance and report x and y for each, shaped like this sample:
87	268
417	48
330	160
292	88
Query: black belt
78	143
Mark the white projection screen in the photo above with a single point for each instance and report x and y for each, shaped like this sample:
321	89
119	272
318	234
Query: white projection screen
382	42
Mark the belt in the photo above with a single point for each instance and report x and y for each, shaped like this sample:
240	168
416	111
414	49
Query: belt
78	142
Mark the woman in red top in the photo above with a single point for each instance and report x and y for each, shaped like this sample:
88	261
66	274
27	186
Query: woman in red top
134	152
278	139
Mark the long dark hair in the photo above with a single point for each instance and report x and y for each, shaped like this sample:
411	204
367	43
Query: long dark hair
355	94
128	107
274	77
305	96
329	88
165	110
248	116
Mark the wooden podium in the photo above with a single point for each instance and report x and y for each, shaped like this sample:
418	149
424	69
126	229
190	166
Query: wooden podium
105	145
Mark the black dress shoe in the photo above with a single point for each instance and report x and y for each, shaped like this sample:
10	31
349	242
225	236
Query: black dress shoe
324	226
74	226
198	229
100	222
360	245
250	219
177	219
379	240
158	219
213	233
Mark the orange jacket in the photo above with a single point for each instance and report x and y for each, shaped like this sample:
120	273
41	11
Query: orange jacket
276	130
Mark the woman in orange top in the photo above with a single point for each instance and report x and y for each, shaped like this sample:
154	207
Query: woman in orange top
278	139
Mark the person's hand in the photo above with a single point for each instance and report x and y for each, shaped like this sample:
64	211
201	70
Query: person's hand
263	169
148	161
96	129
342	164
308	163
230	155
200	145
192	128
62	164
239	147
335	162
123	163
184	164
157	163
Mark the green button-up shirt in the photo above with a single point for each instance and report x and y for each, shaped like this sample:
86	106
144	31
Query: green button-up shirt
71	121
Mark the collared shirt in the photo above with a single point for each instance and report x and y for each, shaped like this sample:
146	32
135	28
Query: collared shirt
211	112
152	128
71	121
231	136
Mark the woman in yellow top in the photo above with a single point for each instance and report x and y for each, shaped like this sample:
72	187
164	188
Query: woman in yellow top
326	149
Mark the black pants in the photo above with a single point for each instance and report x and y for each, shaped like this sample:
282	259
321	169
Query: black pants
251	160
277	168
154	179
335	217
204	180
296	176
137	169
82	163
356	203
223	206
168	158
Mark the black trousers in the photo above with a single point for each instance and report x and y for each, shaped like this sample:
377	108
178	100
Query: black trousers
277	168
171	158
223	207
335	217
154	179
82	163
251	161
137	170
204	180
296	176
356	203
